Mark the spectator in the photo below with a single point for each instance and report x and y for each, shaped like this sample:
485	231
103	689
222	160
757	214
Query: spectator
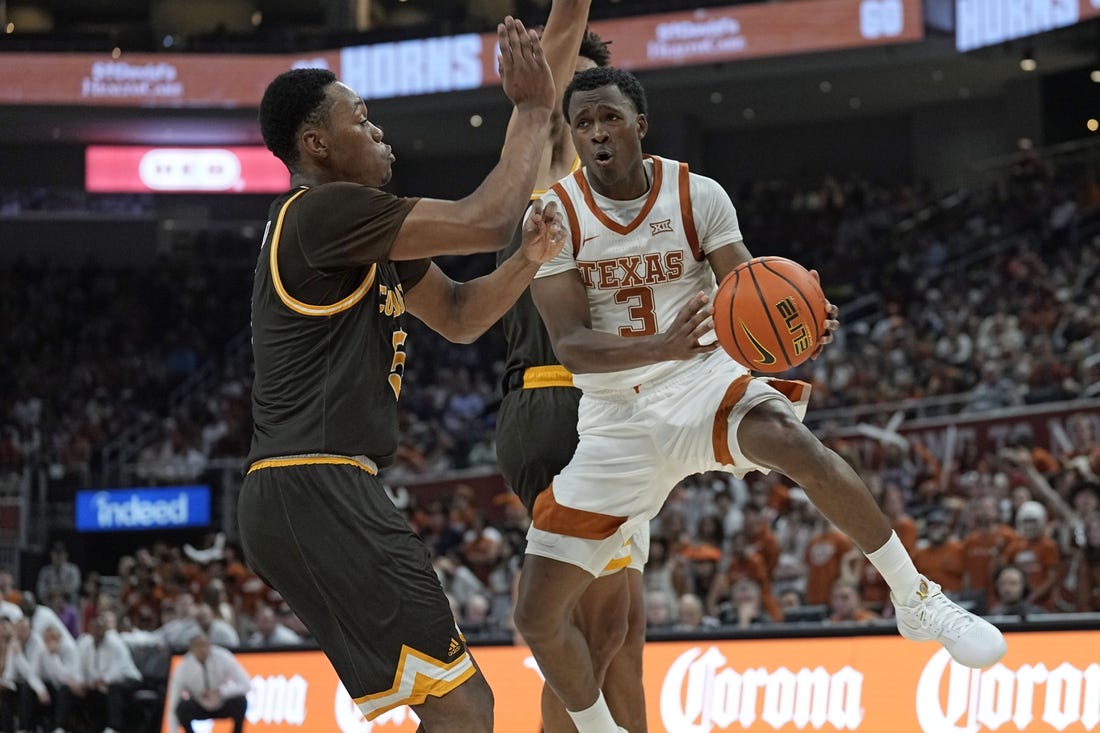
65	611
745	608
940	556
846	605
1035	554
209	683
21	675
269	632
9	649
658	610
43	617
59	669
108	676
984	547
59	574
1013	592
1087	566
823	557
216	630
8	591
690	616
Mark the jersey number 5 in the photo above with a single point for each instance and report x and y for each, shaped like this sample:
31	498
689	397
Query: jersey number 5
641	310
397	368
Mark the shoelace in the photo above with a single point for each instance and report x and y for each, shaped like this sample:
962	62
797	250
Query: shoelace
943	617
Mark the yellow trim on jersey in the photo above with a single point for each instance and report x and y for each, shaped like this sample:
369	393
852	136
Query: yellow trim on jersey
538	193
417	677
617	564
290	301
537	377
317	460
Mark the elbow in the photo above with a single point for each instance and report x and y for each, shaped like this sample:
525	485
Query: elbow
571	360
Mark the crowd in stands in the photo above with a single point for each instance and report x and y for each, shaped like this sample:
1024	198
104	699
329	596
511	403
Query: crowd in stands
993	298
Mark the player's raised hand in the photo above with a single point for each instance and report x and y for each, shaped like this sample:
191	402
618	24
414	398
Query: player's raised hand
681	339
524	72
543	232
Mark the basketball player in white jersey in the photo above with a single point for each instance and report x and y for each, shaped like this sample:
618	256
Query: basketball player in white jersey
536	424
627	306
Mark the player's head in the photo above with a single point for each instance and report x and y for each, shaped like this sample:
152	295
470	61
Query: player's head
293	99
606	108
318	126
594	52
594	79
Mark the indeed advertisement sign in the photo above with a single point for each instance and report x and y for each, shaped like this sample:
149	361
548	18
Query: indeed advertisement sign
166	507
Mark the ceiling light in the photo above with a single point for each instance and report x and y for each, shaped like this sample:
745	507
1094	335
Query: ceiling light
1027	61
1092	124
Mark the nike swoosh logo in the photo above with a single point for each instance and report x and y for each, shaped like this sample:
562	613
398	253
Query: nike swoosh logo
766	357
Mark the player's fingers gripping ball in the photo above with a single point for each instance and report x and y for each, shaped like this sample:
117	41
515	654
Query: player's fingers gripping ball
769	314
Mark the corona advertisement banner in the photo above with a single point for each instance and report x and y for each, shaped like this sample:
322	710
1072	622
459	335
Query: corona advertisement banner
1048	682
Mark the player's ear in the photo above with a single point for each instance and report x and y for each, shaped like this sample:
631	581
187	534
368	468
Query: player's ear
643	126
313	143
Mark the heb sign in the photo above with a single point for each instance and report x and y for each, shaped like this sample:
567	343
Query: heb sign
167	507
1049	425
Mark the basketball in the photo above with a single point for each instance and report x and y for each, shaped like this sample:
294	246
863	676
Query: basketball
769	314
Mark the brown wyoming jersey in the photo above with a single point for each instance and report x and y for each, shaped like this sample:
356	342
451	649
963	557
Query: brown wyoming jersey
327	307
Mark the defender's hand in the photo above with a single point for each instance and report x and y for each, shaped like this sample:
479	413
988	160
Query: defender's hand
832	322
543	233
524	72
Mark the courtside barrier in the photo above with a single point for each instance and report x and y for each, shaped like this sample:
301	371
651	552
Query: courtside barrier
1049	681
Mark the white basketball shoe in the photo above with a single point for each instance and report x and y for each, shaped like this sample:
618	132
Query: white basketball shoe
928	615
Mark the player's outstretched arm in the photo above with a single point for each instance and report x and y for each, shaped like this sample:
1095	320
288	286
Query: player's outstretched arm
485	220
563	305
461	312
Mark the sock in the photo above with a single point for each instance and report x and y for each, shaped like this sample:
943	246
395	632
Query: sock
895	565
596	719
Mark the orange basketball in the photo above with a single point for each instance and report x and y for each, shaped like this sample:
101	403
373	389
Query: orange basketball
769	314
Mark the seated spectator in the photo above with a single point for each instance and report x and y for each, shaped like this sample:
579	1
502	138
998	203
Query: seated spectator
208	683
1013	591
691	616
1087	565
269	632
658	610
108	675
984	547
59	668
65	611
59	574
745	607
824	552
43	617
1036	554
846	605
8	591
21	675
939	555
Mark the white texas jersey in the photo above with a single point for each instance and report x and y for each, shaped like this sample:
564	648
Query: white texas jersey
642	260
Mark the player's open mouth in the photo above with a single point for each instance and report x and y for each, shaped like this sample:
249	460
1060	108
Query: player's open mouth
604	156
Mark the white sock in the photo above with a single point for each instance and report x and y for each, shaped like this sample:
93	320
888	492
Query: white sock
895	565
596	719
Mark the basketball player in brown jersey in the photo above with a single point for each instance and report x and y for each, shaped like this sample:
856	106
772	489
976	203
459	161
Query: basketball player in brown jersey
340	265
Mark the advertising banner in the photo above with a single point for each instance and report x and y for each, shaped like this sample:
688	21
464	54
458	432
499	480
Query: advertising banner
118	169
1049	681
981	23
165	507
448	63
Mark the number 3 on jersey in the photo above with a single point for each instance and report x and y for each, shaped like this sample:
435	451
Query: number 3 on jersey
641	310
397	368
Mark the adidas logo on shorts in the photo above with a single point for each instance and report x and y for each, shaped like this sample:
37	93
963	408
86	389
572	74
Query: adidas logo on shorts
454	648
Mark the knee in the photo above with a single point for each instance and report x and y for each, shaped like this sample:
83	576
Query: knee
533	623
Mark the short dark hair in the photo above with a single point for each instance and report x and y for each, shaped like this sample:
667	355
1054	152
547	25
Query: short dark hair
603	76
292	98
595	48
